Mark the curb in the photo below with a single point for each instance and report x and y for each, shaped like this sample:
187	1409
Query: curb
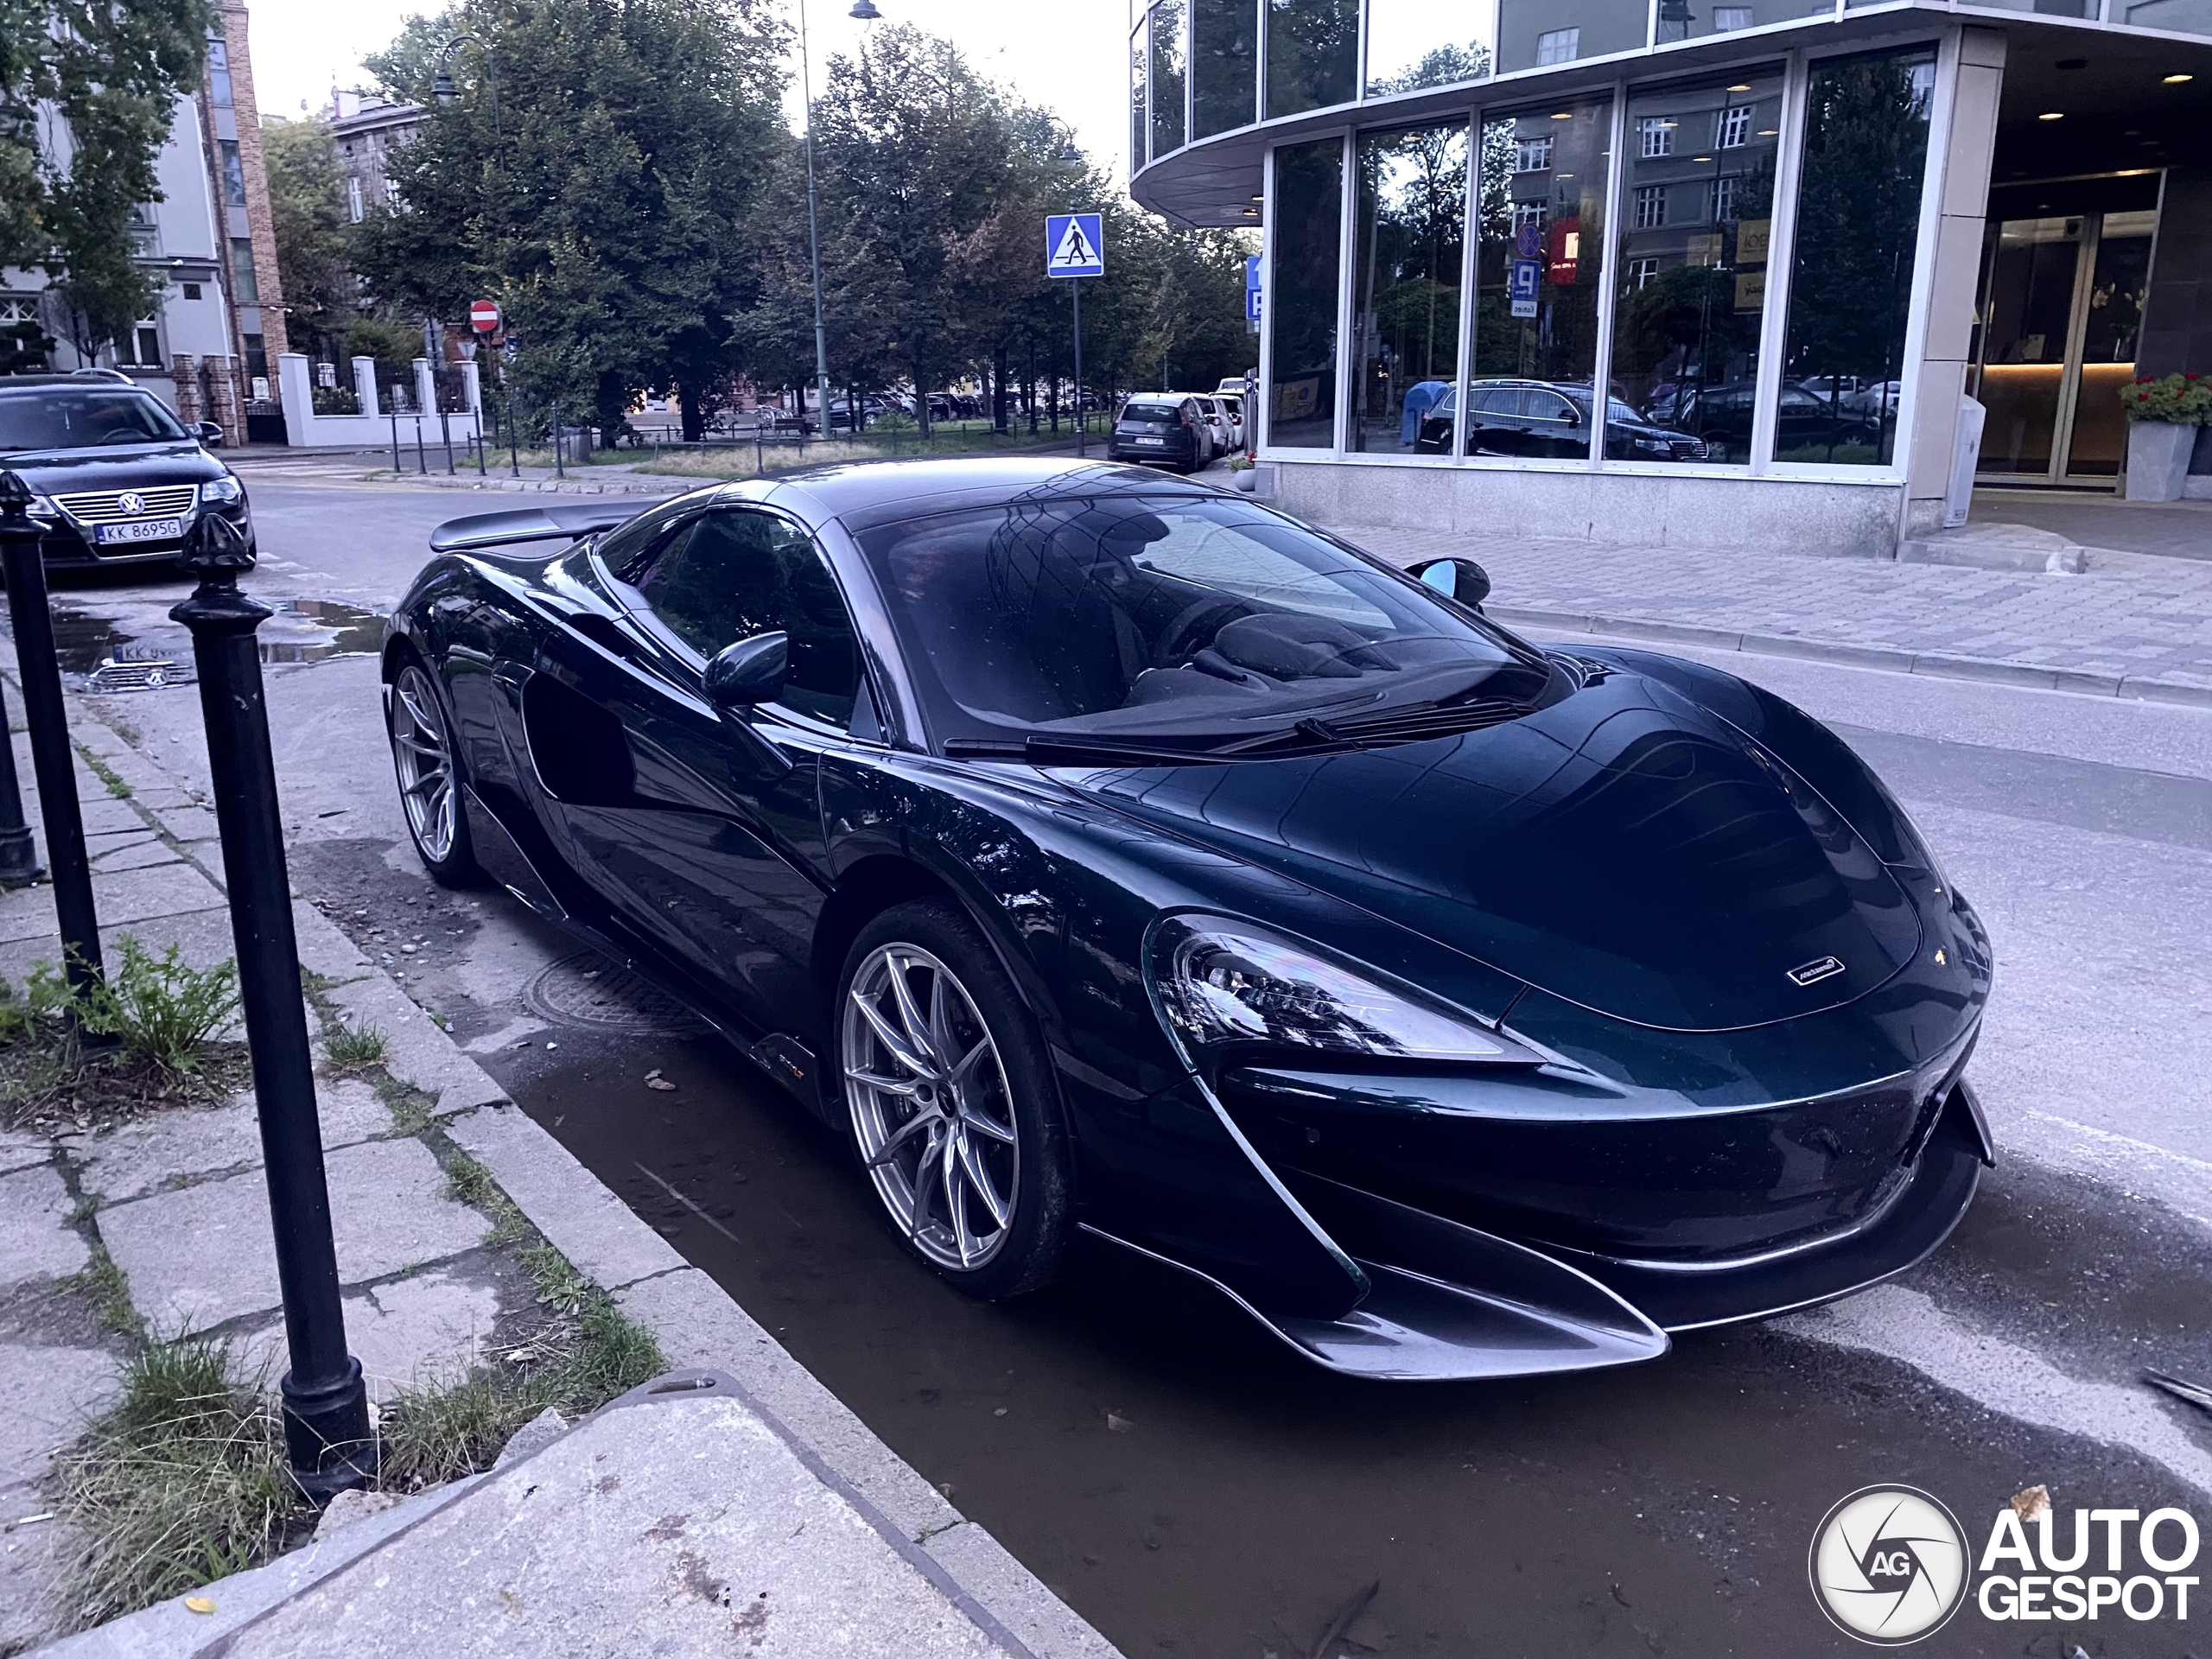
696	1321
1936	665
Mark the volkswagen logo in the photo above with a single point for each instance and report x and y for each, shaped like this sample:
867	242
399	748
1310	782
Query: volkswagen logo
131	502
1889	1566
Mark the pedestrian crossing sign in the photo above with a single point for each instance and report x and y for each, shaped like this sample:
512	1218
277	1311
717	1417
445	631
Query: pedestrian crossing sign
1073	246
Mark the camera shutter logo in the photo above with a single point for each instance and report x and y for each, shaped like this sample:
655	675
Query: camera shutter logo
1889	1565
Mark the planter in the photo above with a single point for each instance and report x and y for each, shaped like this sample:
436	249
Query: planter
2157	460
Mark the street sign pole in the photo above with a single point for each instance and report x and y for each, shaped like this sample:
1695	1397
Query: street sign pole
1074	248
1081	421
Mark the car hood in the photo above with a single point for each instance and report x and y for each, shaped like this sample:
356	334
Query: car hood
50	471
1623	849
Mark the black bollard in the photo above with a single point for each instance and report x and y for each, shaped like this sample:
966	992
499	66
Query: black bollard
48	719
19	865
559	471
327	1436
395	436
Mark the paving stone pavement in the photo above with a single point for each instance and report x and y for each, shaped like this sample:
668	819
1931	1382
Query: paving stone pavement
2133	625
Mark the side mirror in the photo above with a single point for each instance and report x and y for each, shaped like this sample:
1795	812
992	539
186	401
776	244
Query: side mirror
1574	415
1460	579
207	432
749	672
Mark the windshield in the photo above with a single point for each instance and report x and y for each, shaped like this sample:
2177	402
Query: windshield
1162	616
73	417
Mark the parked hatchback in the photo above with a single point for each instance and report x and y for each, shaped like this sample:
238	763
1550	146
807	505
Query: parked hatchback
114	478
1162	430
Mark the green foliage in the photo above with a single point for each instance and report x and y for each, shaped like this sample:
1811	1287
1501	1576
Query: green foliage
607	205
182	1481
163	1008
112	75
353	1048
2181	399
307	194
32	1012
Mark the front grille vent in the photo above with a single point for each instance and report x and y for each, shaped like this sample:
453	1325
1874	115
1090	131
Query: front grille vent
108	507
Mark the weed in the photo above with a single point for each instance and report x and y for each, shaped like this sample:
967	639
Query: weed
111	1292
107	775
163	1008
469	1182
182	1481
560	1286
409	1107
449	1429
352	1050
37	1008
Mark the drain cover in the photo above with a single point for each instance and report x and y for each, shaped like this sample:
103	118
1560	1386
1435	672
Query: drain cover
589	992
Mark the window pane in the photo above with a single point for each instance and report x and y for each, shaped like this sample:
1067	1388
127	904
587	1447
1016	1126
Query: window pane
1693	284
1413	43
1166	76
1851	280
737	574
1539	259
1302	302
1689	20
1225	65
2118	283
1312	54
2183	16
245	282
1412	228
233	172
1139	119
1535	33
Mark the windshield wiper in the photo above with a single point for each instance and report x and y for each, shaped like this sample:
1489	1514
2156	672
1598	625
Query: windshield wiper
1043	750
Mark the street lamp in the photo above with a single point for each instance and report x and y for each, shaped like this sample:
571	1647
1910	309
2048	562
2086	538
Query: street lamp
442	88
863	10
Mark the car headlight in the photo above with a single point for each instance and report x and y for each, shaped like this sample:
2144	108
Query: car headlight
1654	446
1221	982
43	507
221	491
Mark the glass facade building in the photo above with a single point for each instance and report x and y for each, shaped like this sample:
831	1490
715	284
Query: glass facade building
1671	237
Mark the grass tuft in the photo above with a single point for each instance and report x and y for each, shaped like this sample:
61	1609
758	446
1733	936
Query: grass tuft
182	1481
111	1292
351	1049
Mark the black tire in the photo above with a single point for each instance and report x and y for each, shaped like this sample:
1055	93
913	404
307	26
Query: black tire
1029	1246
416	714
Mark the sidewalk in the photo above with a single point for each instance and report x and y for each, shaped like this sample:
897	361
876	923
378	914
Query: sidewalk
162	1220
2131	625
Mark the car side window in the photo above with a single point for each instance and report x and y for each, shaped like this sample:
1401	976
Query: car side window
734	573
624	549
1549	406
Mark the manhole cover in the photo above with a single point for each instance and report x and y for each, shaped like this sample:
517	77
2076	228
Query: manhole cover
588	991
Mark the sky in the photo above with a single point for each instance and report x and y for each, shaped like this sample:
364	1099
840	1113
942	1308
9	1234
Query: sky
1065	55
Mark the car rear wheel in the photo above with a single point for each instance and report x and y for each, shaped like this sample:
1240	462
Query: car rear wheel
429	788
951	1095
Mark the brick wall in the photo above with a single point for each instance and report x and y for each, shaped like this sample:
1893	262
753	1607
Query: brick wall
233	24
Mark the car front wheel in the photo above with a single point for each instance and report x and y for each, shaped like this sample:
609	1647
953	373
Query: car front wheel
952	1103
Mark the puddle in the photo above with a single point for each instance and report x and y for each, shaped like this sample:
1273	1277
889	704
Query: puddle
353	631
102	655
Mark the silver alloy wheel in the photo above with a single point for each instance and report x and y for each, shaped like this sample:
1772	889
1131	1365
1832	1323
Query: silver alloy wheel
930	1106
424	757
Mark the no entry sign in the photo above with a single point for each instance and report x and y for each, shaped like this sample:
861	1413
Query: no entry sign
484	316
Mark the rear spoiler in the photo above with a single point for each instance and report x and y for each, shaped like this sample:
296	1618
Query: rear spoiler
560	523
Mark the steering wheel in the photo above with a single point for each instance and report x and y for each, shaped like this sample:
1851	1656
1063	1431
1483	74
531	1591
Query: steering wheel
1192	628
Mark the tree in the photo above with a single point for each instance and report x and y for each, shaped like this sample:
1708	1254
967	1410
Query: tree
306	191
609	207
113	72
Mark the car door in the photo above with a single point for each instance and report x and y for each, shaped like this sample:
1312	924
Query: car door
1551	426
715	849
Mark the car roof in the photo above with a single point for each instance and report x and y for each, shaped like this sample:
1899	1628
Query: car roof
861	494
82	379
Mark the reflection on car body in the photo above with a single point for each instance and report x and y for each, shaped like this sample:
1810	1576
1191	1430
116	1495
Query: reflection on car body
1117	864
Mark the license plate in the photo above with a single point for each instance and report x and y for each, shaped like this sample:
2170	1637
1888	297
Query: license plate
141	529
1160	442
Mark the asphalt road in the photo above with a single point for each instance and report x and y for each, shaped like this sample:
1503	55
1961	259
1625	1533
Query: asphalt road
1191	1488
